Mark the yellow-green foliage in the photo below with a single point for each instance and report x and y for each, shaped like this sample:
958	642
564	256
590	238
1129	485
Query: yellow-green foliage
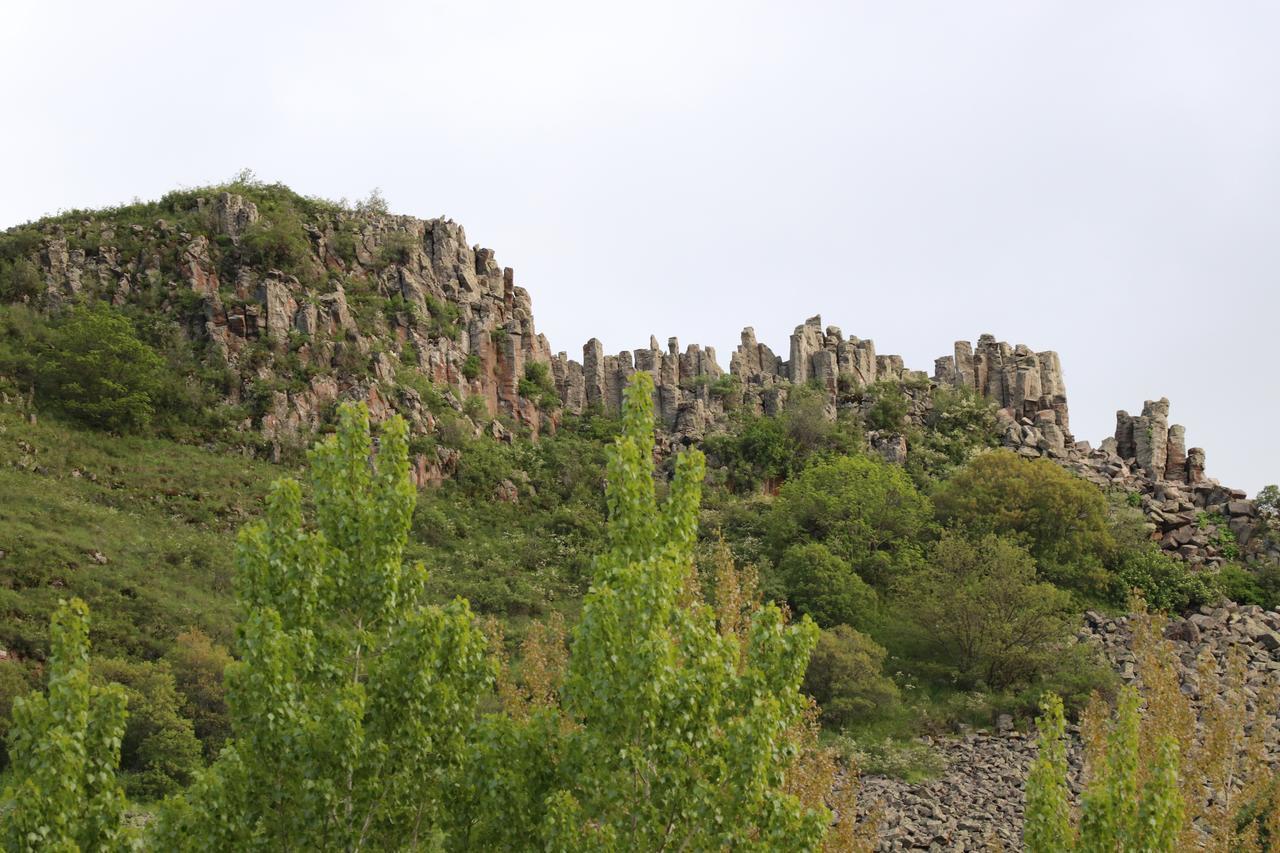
352	697
680	733
63	748
1155	780
1060	518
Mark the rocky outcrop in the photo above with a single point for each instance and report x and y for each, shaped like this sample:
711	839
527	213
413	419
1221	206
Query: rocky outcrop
297	342
380	304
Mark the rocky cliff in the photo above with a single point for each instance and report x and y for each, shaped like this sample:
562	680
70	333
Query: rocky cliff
306	304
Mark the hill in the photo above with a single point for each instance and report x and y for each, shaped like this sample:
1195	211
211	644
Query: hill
162	363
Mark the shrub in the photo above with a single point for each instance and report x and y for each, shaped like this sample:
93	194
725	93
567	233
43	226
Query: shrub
280	243
198	665
1257	584
444	320
1059	518
826	587
537	385
978	608
1268	499
759	452
888	412
96	370
20	280
865	511
845	676
471	367
1166	583
396	248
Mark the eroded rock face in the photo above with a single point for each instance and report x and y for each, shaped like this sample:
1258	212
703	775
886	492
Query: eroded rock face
254	317
382	297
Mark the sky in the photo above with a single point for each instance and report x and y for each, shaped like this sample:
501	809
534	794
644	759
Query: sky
1097	178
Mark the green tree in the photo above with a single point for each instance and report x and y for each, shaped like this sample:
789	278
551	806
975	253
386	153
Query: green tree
888	412
826	587
679	736
160	752
846	677
98	371
1125	805
198	665
20	280
865	511
63	751
1060	518
1046	826
352	697
981	611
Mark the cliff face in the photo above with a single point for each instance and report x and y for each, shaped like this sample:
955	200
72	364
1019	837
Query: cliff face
308	304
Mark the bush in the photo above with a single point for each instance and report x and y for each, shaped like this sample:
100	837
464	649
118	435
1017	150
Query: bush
1166	583
15	681
867	512
280	243
160	752
471	367
759	452
1059	518
537	385
825	587
888	412
1258	584
20	280
977	608
845	676
198	664
96	370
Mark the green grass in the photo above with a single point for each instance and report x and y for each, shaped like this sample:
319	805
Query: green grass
163	516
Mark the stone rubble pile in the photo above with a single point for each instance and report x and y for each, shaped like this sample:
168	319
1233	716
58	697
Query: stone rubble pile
980	796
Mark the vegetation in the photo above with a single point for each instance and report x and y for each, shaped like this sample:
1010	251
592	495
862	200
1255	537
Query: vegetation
1060	519
1149	764
63	748
351	700
982	612
632	628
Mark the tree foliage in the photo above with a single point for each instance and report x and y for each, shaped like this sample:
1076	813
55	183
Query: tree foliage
352	699
98	371
198	665
826	587
1060	518
846	677
1158	776
983	612
679	733
160	752
63	749
863	510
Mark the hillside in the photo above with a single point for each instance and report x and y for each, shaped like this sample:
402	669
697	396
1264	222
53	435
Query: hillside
162	363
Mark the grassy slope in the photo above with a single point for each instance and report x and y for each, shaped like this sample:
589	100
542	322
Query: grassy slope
163	515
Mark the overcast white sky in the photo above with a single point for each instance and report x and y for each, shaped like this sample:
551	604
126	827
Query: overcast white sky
1098	178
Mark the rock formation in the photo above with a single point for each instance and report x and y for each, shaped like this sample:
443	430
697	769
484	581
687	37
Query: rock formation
380	303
